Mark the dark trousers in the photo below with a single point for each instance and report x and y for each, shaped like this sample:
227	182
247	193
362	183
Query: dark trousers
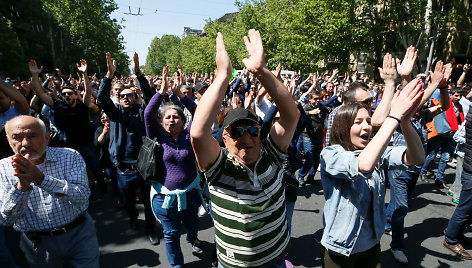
89	153
402	184
312	149
129	180
462	216
367	259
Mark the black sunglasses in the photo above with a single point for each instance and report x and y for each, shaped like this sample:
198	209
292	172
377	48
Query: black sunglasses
68	93
367	101
126	95
237	132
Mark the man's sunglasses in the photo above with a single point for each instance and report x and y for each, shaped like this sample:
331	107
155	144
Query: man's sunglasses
367	101
126	95
237	132
68	93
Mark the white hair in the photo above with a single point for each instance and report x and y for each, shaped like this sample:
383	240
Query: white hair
39	121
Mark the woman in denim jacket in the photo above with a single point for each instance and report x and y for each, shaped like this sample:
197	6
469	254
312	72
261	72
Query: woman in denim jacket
352	174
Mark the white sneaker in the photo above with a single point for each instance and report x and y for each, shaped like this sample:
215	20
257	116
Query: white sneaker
399	256
202	211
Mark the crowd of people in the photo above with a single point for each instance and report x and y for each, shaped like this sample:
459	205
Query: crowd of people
236	146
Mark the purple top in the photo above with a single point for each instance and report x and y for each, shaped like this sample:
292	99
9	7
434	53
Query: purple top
180	168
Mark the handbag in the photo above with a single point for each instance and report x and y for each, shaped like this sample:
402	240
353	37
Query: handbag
149	157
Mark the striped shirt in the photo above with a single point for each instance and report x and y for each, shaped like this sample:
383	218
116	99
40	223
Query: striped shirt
61	197
249	209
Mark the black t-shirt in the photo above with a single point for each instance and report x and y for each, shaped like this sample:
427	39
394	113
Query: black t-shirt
74	121
5	149
104	154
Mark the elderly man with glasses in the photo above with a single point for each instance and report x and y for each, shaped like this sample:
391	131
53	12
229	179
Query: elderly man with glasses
245	179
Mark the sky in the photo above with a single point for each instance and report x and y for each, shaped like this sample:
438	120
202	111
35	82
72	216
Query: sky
164	17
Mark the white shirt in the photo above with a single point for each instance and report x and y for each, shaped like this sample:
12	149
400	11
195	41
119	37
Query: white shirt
41	209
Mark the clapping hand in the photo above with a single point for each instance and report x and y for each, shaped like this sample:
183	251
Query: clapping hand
405	67
256	61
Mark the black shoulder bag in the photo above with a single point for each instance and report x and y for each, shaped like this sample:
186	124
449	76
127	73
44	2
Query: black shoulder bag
149	158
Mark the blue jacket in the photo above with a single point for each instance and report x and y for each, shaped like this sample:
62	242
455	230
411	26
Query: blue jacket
123	121
344	188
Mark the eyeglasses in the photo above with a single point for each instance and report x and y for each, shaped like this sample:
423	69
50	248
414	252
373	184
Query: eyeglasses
237	132
315	98
68	93
126	95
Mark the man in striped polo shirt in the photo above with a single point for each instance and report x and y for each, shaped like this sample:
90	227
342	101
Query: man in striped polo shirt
246	178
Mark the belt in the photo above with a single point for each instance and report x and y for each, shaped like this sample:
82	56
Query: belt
61	230
124	166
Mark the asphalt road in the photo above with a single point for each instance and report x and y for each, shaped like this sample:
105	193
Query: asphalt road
430	210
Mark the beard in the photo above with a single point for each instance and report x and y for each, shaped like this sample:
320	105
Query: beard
35	156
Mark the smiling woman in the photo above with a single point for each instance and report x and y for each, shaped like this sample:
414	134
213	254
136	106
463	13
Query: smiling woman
353	178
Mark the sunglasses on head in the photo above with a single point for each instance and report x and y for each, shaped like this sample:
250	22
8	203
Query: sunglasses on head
68	93
237	132
126	95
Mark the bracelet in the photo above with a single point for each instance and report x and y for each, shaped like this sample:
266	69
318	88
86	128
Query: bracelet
393	117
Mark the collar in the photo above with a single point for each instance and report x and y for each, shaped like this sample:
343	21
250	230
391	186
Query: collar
51	155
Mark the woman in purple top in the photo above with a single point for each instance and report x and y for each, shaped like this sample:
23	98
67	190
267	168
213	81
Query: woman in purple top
176	195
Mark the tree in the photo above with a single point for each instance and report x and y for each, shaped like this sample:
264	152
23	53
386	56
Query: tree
12	60
57	33
161	52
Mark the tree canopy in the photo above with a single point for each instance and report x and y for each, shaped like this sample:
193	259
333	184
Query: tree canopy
58	33
309	35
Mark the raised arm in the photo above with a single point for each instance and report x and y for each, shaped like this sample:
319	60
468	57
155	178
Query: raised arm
38	90
282	131
461	80
388	75
143	82
205	146
405	67
403	104
21	104
104	92
438	80
88	86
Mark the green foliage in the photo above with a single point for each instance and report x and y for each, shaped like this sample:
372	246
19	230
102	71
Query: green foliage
163	51
58	33
12	60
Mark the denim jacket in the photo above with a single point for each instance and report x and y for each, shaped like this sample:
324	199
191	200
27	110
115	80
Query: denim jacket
344	188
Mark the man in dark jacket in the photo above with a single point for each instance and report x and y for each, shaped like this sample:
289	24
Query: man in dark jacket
312	138
126	132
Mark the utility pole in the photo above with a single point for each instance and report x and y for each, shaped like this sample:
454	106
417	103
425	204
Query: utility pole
434	38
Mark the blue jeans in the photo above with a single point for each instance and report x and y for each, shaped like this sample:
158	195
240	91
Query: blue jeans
172	219
462	216
402	184
445	145
312	149
128	182
76	248
289	208
6	259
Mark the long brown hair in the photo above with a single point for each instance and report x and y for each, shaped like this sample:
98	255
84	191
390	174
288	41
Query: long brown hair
342	123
